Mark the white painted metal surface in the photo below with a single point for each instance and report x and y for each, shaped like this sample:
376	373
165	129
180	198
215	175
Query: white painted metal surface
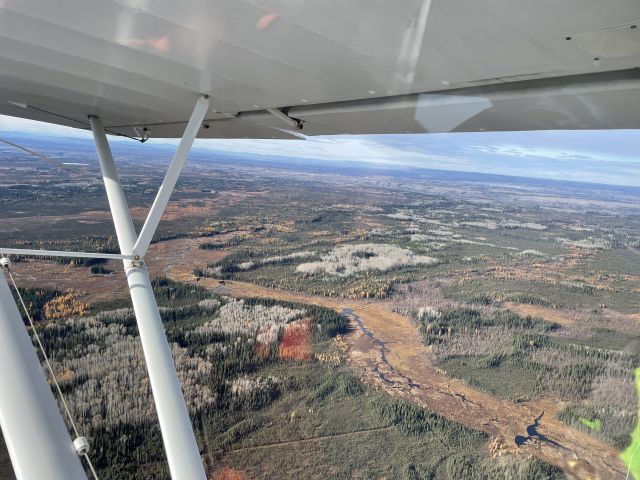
38	441
142	63
125	231
290	122
170	179
177	434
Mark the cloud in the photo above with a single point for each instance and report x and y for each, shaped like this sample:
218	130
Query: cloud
339	148
587	156
13	124
604	156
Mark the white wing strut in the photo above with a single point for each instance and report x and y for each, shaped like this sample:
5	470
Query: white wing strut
37	439
170	179
177	433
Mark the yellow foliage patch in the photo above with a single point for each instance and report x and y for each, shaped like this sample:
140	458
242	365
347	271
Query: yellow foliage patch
65	305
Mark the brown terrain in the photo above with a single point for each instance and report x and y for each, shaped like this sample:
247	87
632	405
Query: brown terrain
385	349
174	258
546	313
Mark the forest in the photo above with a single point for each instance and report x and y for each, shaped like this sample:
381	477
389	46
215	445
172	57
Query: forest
248	380
511	290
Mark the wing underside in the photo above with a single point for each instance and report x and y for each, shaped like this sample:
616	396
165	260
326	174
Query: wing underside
274	68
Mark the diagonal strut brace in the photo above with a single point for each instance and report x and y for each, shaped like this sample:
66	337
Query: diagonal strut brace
177	433
170	179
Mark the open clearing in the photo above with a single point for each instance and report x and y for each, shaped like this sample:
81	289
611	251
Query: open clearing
545	313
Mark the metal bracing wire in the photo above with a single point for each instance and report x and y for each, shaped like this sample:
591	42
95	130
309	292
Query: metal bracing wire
64	254
49	368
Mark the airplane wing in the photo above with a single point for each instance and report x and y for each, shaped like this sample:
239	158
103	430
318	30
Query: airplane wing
273	68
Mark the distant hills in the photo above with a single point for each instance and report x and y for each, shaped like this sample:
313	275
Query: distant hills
130	151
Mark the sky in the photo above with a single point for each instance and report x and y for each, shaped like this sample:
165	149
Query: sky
607	156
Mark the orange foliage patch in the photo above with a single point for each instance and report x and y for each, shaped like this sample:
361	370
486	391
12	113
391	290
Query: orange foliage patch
296	342
263	349
66	305
229	474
